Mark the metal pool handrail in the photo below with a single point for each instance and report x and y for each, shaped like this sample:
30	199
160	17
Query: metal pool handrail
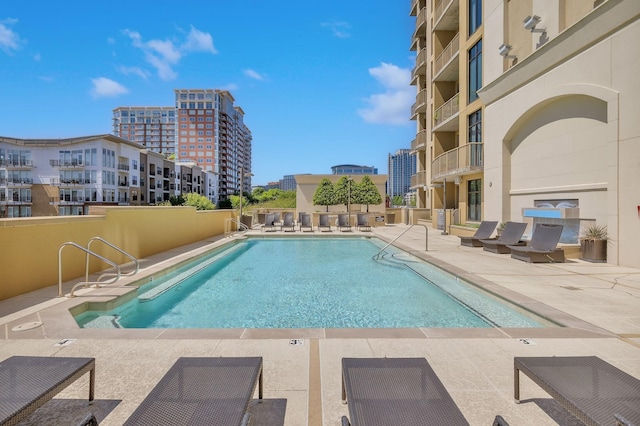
89	252
426	240
128	274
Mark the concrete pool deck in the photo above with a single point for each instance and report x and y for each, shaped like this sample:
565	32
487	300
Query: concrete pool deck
599	303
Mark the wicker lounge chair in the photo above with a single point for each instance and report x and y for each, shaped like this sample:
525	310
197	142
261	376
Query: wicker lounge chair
511	236
323	223
305	222
28	382
362	222
396	391
343	222
203	391
542	247
484	232
591	389
287	222
269	220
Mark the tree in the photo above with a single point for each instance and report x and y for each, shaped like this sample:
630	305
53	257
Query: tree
200	202
324	195
343	190
397	200
367	192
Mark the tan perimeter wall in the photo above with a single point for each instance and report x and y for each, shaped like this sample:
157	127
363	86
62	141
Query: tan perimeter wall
30	246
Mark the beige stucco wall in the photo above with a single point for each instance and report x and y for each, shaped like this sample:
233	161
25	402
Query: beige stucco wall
306	186
30	246
564	124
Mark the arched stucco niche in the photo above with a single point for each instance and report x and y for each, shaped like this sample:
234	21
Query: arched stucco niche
563	148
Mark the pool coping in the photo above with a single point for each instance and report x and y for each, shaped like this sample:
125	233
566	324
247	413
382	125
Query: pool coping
53	320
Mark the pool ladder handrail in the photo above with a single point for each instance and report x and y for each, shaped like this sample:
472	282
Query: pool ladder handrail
86	282
426	241
102	240
240	226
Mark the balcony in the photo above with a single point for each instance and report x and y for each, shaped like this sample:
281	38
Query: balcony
446	66
13	181
421	66
421	23
463	160
66	164
419	179
446	15
16	164
421	103
448	110
420	142
123	167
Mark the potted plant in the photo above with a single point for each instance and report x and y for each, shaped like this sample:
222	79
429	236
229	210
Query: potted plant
593	243
500	228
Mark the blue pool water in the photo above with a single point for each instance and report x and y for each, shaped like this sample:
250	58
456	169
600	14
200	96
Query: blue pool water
308	283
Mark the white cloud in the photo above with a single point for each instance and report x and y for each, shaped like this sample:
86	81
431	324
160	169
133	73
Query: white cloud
134	70
253	74
197	41
394	105
104	87
10	41
163	55
339	29
37	57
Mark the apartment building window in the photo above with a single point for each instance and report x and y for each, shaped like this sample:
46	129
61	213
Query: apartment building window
475	70
475	15
474	199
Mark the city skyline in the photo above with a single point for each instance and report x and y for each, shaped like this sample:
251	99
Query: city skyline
320	84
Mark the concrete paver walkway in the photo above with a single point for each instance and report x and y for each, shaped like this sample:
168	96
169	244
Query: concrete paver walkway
599	303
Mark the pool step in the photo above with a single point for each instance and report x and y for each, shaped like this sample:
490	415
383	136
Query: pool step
172	282
104	321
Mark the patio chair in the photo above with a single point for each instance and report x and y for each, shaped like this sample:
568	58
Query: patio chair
323	223
269	220
594	391
484	232
203	391
343	222
277	220
543	245
28	382
511	236
287	222
362	222
396	391
305	222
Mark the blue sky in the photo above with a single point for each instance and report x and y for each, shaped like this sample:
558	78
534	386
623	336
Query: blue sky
321	83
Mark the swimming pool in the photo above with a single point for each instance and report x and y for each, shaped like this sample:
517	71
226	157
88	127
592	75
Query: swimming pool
307	283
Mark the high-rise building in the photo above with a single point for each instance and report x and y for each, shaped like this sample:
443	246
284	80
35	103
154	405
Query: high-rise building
527	111
211	132
402	165
151	127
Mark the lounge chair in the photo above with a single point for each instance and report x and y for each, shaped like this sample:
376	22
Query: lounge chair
287	223
277	220
203	391
484	232
269	220
343	222
323	223
542	247
305	222
591	389
511	236
396	391
362	222
28	382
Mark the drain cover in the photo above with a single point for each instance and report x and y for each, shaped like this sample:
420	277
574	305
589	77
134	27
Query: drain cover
27	326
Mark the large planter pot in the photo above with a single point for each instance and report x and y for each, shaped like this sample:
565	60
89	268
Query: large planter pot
593	250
